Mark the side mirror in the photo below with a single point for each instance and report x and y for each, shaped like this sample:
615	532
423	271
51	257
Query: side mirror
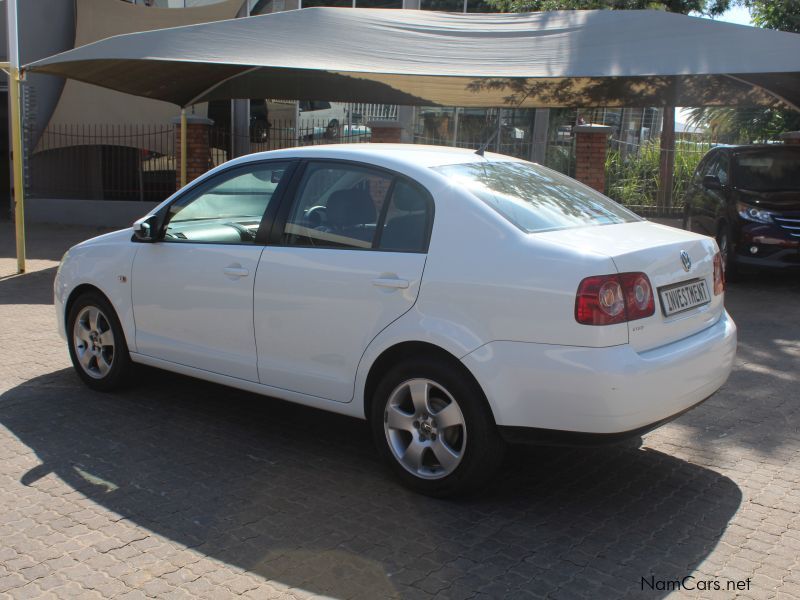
145	229
712	182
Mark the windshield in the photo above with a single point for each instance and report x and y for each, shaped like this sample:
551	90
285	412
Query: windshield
768	170
535	198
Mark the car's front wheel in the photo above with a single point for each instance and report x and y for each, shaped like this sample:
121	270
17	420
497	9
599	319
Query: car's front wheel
434	427
96	343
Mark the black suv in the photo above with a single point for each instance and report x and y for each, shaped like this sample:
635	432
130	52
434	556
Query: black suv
748	198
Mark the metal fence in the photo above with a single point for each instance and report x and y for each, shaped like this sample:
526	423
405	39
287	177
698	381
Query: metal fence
505	131
633	177
139	162
284	134
109	162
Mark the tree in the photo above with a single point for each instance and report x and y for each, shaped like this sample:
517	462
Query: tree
747	125
783	15
706	7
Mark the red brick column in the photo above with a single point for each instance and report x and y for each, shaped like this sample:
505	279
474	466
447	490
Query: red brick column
198	142
591	144
385	132
791	137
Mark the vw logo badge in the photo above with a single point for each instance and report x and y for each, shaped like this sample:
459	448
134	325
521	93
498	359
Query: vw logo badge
687	262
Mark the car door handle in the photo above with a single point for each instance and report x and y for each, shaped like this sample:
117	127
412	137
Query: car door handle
235	271
391	282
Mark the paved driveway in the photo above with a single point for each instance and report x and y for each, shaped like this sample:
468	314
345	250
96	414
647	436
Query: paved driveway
178	488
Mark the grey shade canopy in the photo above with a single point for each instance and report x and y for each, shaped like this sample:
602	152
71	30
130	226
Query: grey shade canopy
564	58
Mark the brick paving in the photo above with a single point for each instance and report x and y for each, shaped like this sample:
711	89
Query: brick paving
182	489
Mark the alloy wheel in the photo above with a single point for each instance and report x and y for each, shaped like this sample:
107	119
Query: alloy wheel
425	428
93	341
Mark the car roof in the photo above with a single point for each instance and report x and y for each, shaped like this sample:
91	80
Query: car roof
747	147
409	155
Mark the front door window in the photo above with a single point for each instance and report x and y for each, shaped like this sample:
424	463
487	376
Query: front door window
228	209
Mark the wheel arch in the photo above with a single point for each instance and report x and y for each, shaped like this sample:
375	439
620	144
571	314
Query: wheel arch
84	288
406	349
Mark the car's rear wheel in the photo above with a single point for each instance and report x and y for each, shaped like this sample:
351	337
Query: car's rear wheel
97	343
434	427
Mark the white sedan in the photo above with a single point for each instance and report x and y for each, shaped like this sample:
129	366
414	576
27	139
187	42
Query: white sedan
455	301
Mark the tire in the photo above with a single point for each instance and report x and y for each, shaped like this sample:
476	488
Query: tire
97	344
410	423
727	253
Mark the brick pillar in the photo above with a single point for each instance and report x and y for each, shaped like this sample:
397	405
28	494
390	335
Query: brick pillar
791	137
591	144
198	142
385	132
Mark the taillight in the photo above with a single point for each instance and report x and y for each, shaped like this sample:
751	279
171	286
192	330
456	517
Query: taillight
609	299
719	275
639	301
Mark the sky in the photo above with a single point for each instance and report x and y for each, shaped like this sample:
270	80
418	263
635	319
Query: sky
736	14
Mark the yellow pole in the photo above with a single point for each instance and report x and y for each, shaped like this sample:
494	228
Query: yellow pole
183	147
14	80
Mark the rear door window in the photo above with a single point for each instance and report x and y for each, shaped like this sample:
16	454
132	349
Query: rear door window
408	219
337	206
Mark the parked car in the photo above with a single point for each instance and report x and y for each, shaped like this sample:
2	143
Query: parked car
748	198
455	301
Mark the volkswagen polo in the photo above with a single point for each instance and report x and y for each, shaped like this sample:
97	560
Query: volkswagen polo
456	301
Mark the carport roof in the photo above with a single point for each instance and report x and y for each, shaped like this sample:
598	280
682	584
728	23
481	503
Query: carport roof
565	58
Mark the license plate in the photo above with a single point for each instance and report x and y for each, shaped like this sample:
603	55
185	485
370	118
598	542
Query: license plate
684	296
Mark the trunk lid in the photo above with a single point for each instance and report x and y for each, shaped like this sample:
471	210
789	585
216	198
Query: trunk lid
656	251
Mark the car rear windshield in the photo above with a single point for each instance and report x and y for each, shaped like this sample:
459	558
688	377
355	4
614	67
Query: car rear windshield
535	198
768	170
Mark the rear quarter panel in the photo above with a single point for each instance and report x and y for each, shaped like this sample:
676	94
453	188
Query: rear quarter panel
487	276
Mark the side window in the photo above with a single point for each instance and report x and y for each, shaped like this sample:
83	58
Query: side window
408	219
722	169
228	209
705	168
336	206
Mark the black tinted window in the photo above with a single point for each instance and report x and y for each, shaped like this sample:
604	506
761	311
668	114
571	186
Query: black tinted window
768	170
407	219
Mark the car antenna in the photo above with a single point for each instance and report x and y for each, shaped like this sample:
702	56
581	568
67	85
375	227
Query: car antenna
485	144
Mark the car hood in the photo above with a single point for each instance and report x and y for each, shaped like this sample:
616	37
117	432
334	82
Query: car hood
784	200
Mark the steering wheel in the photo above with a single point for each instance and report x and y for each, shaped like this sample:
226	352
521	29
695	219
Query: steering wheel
316	216
244	233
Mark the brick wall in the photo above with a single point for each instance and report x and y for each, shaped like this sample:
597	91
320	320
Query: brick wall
198	157
385	132
591	145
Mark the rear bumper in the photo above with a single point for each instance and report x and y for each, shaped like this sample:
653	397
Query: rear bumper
613	390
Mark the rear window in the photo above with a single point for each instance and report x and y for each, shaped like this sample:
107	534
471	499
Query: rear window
768	170
535	198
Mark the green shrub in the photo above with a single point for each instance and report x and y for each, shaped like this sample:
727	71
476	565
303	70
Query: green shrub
634	179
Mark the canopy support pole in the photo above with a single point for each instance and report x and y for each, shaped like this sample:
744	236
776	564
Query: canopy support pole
17	158
14	86
14	79
184	151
